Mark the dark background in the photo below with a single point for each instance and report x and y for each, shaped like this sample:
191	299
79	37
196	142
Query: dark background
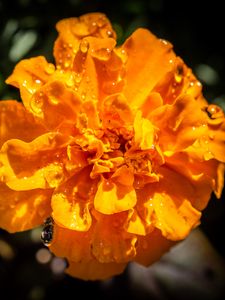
196	29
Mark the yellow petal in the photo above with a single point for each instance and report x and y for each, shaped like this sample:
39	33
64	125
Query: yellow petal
113	198
23	210
71	202
144	132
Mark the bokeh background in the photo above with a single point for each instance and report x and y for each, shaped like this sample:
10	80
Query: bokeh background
194	269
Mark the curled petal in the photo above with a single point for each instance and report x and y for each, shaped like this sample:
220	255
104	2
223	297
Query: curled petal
34	165
72	244
174	213
204	176
72	30
94	270
29	76
174	222
71	202
110	242
180	123
113	198
145	52
16	122
151	247
23	210
179	80
144	132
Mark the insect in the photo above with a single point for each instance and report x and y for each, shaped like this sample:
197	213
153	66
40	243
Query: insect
47	232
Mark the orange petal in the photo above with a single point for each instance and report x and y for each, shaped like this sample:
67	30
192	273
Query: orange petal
144	132
72	200
94	270
180	124
135	224
110	242
179	81
113	198
55	103
73	245
204	176
72	30
151	247
23	210
153	101
174	214
38	164
16	122
149	59
29	76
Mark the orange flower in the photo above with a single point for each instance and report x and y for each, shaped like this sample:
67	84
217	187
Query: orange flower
116	144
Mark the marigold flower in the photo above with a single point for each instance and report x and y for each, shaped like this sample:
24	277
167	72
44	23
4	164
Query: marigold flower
116	144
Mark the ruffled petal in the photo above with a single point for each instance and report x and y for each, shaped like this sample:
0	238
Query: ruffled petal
16	122
144	132
72	30
149	59
151	247
71	202
110	242
72	244
29	76
180	124
24	210
94	270
38	164
113	198
204	176
173	212
179	81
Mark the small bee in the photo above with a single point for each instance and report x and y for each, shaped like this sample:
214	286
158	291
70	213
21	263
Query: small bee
47	232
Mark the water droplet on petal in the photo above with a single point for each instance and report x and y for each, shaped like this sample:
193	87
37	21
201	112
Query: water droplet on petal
84	46
178	76
37	102
50	69
70	81
66	64
101	22
38	81
109	33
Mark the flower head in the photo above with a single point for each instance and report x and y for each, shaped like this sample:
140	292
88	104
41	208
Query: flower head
116	144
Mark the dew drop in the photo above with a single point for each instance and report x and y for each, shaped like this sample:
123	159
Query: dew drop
70	81
37	102
38	81
101	22
109	33
66	64
84	46
78	78
50	69
178	76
